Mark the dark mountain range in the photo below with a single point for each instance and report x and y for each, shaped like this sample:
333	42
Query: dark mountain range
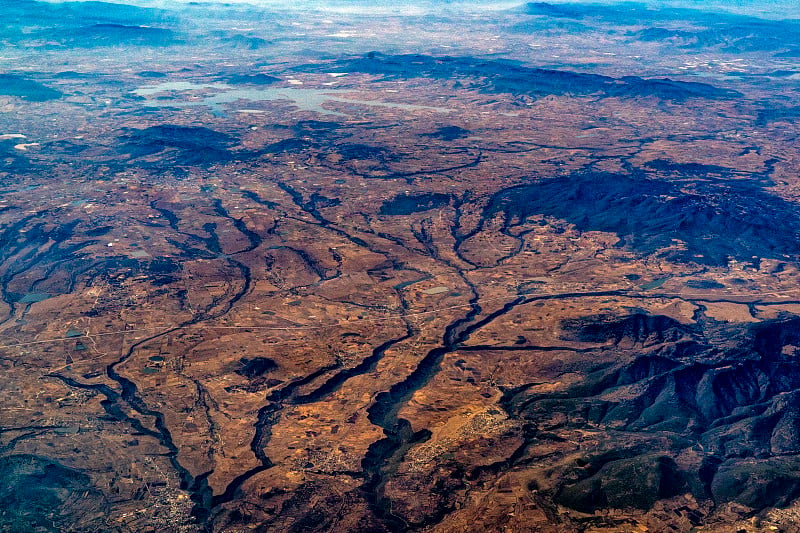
178	145
112	34
727	32
84	24
509	77
28	89
712	416
714	221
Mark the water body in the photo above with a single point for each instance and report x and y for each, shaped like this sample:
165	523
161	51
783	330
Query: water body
303	98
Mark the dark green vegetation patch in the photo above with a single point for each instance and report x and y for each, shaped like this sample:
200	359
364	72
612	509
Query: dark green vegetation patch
406	204
255	367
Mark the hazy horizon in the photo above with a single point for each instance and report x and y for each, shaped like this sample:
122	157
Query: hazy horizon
777	9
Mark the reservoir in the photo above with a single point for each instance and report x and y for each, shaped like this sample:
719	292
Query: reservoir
221	94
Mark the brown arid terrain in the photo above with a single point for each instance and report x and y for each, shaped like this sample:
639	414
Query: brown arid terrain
505	274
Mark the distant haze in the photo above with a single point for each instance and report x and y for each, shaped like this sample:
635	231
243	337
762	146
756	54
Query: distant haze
775	9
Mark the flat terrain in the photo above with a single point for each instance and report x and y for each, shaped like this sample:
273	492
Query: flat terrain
530	270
